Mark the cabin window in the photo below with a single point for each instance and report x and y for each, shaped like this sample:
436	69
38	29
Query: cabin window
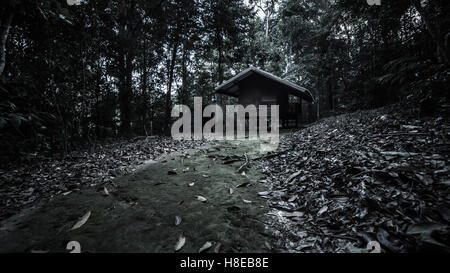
294	99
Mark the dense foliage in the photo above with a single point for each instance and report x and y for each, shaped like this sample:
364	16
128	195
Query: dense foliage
108	68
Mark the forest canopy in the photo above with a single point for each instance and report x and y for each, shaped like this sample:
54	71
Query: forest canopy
72	74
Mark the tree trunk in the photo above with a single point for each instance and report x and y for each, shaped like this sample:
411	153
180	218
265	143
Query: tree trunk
144	87
169	85
332	86
220	60
125	94
319	86
183	94
97	100
433	31
267	25
4	31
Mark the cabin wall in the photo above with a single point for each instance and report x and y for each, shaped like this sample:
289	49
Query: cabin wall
258	90
263	92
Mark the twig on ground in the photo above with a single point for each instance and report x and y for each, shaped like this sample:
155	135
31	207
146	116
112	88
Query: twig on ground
245	165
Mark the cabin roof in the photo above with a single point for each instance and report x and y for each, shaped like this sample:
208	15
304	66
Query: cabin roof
231	87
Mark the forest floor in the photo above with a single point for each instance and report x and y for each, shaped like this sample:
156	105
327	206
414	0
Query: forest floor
379	175
151	209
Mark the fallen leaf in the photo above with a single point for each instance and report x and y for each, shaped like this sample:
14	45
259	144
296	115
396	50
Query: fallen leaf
177	220
217	248
294	214
82	221
293	176
399	154
201	199
424	179
245	184
384	238
206	246
424	229
180	243
322	210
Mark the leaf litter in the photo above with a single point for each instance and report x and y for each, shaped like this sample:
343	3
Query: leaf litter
361	177
99	165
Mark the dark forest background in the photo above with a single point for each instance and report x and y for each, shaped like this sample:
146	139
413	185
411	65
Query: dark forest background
74	75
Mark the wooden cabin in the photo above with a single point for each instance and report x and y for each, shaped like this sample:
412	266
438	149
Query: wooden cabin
258	87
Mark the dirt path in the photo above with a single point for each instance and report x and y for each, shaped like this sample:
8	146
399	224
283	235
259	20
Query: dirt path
139	213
